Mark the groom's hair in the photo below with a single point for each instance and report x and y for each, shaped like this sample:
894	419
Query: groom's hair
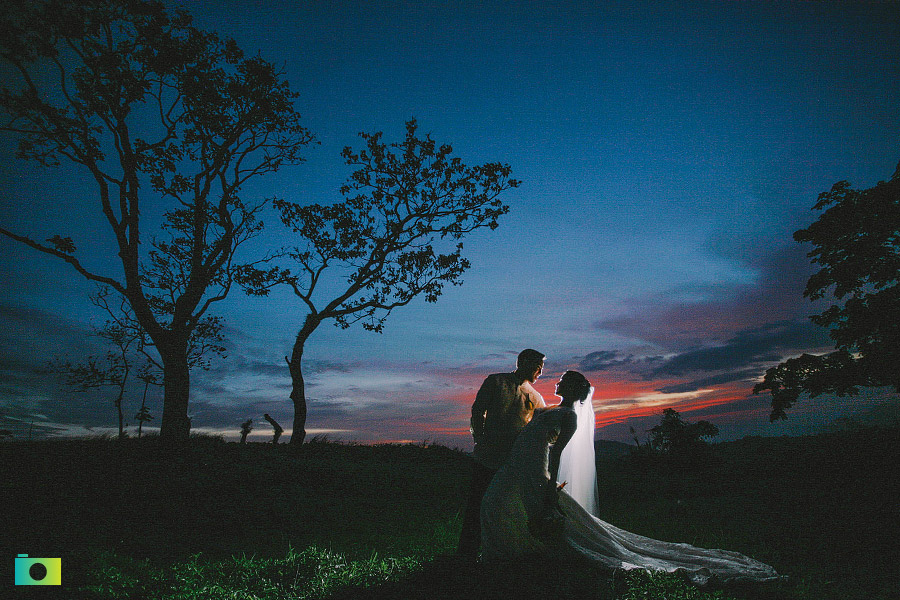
528	358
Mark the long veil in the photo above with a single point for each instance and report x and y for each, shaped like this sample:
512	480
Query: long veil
577	465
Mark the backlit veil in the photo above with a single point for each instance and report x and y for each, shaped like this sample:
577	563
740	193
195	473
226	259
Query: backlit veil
577	465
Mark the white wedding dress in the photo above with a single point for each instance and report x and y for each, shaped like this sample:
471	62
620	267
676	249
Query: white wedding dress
513	509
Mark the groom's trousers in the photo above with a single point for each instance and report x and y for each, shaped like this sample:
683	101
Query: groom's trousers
470	537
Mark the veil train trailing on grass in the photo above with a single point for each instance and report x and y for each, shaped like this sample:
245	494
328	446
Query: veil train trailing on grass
514	517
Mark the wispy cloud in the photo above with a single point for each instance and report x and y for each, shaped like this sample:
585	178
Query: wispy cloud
603	360
743	357
690	315
750	347
707	382
700	349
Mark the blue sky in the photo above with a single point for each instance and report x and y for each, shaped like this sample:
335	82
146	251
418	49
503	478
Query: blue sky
667	151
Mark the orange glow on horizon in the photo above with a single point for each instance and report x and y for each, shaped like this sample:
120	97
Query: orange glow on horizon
616	400
683	403
446	430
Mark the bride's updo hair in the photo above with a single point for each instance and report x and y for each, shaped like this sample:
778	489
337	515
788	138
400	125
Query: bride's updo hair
579	383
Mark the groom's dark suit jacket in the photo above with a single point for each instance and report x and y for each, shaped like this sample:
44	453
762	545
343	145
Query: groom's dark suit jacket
502	407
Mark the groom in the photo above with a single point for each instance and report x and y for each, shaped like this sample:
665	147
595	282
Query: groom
504	404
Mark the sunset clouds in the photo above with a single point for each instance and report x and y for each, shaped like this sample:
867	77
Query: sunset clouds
668	151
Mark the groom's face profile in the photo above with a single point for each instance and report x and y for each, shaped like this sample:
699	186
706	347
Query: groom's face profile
538	369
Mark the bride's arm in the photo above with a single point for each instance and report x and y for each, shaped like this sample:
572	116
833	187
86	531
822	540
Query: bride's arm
566	430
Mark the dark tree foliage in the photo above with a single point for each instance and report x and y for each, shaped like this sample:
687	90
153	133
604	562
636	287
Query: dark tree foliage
395	236
164	118
116	367
675	436
131	353
857	243
143	415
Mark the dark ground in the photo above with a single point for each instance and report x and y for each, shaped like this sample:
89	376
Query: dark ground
823	510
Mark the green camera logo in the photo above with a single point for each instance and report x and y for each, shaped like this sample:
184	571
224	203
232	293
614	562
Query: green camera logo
38	571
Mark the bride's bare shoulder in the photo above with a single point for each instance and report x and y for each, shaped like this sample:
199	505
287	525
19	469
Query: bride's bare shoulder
561	413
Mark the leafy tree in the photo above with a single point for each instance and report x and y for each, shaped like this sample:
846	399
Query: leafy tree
393	237
675	436
162	117
857	243
130	347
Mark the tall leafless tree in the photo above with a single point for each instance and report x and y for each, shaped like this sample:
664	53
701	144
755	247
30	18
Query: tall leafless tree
162	117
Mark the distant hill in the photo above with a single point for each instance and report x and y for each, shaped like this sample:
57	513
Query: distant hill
612	449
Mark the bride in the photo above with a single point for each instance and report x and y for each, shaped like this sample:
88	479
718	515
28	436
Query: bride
525	512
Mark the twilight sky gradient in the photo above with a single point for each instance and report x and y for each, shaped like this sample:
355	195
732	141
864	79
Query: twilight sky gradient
667	151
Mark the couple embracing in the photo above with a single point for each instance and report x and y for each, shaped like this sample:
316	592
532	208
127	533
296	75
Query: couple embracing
534	490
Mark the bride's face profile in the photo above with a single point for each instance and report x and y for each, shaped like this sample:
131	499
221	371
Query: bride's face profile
570	386
563	386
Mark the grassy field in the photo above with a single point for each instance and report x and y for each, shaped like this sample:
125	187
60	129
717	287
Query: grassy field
332	520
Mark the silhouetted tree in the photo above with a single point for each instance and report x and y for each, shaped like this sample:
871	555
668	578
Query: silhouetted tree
142	416
278	429
115	367
159	114
857	243
246	428
646	447
377	249
676	436
129	347
206	339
